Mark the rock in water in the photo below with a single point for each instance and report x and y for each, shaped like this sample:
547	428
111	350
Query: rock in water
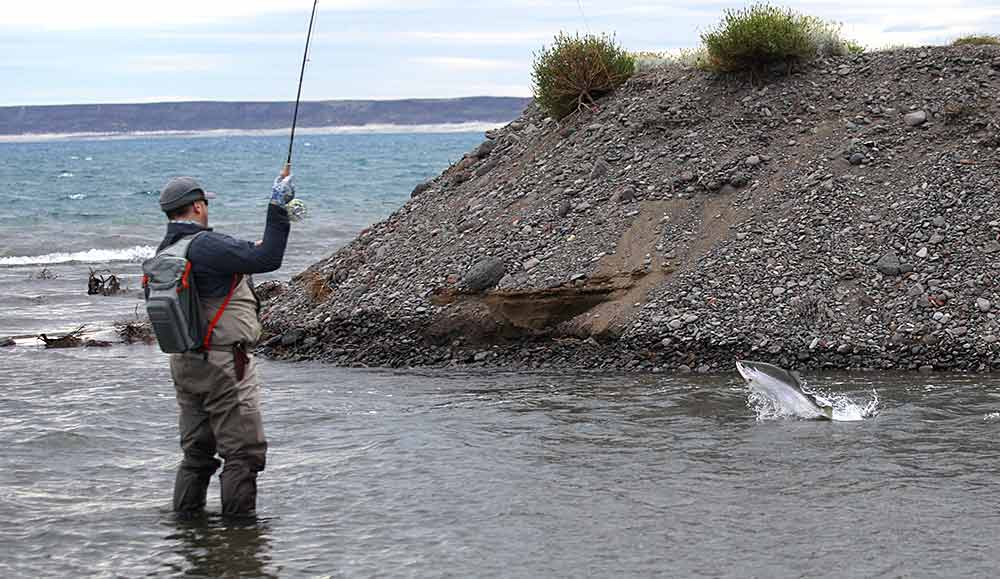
484	274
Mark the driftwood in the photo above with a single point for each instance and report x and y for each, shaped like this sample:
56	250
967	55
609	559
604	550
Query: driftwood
73	340
70	340
137	329
108	285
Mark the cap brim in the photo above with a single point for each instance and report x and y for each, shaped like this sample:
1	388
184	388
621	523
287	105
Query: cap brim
209	194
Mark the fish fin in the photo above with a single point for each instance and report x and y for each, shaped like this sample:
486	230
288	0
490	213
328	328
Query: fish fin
827	412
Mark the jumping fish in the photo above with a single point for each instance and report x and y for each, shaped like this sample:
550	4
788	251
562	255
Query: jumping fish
783	388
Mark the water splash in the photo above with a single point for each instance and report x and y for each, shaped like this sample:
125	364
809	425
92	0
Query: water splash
845	408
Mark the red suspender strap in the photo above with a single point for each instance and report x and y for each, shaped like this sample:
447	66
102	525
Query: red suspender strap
185	283
218	315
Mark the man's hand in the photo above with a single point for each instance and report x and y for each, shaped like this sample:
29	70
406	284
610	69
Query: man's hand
283	189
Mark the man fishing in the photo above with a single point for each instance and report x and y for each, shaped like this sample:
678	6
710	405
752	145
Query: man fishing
217	386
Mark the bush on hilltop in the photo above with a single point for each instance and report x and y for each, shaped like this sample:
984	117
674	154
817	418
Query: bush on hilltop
575	71
977	40
760	36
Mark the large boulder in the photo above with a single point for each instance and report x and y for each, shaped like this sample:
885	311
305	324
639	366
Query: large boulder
484	274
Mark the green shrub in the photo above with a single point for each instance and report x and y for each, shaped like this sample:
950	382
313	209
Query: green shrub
977	40
575	71
761	35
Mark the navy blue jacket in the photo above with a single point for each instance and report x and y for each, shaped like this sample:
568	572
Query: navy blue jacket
215	257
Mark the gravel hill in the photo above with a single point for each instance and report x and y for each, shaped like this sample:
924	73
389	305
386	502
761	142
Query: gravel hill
844	215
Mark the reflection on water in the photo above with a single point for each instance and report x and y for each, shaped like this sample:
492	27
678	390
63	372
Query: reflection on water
215	546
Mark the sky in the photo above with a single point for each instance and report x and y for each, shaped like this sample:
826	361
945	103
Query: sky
114	51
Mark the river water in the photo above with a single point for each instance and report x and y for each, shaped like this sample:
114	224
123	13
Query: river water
437	473
445	474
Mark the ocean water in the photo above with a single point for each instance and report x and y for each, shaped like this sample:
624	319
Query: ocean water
77	205
438	473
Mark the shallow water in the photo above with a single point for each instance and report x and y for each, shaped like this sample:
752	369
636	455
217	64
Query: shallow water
500	474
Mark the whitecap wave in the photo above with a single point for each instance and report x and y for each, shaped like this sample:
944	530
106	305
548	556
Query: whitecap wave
137	253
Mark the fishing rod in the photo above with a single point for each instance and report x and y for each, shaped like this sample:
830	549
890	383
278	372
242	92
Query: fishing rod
302	73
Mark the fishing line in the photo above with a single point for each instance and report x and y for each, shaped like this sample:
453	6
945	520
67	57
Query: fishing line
302	73
586	23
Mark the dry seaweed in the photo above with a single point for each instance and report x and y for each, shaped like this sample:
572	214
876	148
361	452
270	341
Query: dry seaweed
105	285
135	330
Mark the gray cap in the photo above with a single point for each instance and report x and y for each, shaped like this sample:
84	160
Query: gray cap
181	191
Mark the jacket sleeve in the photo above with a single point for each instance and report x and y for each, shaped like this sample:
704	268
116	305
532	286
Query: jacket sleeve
226	255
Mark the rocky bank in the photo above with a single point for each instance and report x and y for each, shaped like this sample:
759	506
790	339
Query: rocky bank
844	215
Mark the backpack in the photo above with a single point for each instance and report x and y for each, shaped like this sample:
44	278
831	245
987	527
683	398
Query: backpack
172	298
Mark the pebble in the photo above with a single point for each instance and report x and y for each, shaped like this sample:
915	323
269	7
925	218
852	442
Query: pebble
915	118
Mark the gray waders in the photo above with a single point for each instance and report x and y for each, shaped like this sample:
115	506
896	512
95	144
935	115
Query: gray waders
218	394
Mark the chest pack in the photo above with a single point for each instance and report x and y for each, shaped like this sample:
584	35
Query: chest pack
172	298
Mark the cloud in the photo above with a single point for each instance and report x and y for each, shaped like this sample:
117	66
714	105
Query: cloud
500	37
172	63
145	15
468	64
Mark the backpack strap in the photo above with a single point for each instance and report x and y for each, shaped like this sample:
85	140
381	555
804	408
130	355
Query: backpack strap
207	344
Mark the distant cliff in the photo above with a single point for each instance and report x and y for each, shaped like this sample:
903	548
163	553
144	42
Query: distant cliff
196	116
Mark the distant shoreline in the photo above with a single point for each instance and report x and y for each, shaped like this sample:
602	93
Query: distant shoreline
374	128
237	118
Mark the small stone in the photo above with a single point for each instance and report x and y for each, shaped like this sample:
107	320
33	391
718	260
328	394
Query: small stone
690	318
627	195
564	208
420	188
983	304
686	177
926	369
922	252
675	324
889	264
481	356
915	119
843	348
752	161
531	264
738	180
291	337
857	159
777	291
599	169
684	369
583	206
